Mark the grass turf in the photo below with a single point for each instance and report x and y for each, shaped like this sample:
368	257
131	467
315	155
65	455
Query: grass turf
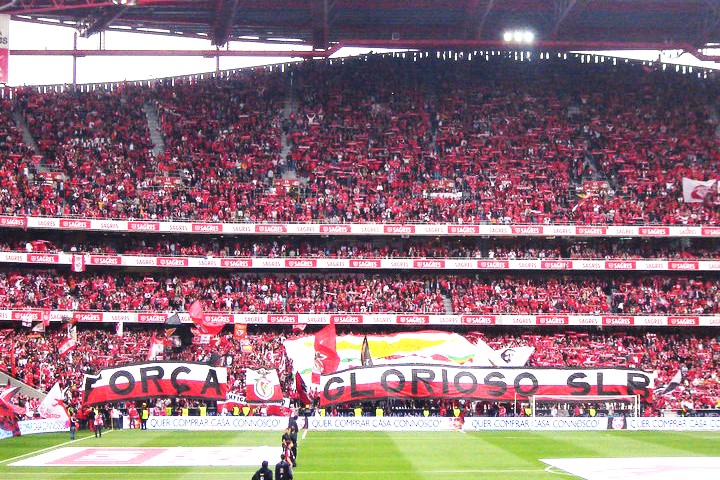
369	455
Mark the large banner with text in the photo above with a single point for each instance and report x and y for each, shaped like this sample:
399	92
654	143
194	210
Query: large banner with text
156	379
478	383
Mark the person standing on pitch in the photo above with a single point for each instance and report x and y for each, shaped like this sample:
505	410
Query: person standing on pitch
263	473
73	427
99	423
283	470
144	415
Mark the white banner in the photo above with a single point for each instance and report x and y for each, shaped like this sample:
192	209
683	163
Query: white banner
222	423
78	262
382	424
439	229
674	423
45	425
539	423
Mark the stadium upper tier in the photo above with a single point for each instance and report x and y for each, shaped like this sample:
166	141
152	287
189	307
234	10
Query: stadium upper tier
375	139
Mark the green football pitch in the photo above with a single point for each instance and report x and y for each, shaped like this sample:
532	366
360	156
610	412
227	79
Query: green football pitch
366	455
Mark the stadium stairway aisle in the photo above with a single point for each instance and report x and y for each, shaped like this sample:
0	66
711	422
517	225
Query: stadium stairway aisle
447	302
153	121
22	125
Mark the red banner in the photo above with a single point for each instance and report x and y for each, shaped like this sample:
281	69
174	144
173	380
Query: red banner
156	379
478	383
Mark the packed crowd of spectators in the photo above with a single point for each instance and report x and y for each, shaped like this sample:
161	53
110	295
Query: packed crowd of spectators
696	356
382	292
379	139
38	364
21	185
373	140
362	247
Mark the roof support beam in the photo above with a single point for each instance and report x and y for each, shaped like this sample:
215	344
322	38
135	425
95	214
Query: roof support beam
481	24
710	23
32	7
320	12
224	19
97	24
562	9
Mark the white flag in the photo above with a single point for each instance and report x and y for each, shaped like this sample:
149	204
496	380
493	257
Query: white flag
156	349
514	356
695	191
53	406
673	385
505	357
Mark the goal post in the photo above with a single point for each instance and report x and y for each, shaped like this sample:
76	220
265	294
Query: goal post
569	405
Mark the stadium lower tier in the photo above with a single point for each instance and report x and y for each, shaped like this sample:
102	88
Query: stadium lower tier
684	366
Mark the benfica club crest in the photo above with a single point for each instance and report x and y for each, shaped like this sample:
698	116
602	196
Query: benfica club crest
264	388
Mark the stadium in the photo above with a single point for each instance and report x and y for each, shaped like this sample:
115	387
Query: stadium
487	247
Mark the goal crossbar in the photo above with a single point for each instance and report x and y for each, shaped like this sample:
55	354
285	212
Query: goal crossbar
633	400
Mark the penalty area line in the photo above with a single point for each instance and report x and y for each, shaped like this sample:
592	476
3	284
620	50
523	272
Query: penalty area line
36	452
551	469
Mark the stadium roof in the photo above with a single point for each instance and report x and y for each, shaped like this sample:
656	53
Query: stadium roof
328	24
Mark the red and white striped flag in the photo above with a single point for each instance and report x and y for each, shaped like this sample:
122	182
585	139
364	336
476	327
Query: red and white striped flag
78	263
67	346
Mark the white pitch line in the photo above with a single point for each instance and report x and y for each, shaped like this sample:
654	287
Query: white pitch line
69	442
135	472
304	434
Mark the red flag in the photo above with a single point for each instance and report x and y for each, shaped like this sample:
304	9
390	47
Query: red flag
196	313
211	325
240	331
326	356
301	389
9	412
13	366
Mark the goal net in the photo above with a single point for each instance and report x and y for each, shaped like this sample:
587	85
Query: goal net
585	406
